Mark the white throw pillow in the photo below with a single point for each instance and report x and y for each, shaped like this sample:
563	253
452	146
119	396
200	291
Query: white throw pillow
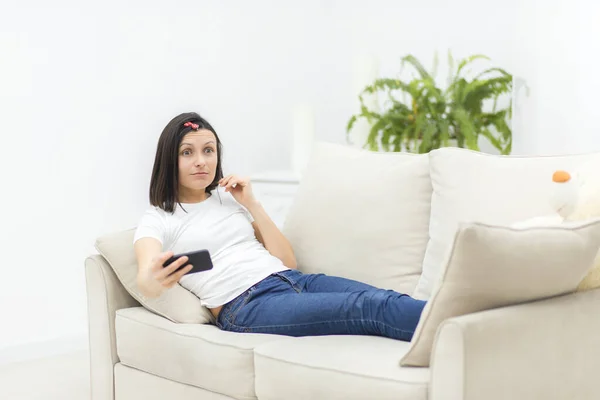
493	266
176	304
469	186
362	215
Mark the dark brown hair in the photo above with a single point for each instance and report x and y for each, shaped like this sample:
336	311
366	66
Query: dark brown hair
164	184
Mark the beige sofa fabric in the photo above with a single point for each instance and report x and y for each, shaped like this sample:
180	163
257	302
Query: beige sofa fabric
194	354
495	266
470	186
176	304
362	215
133	384
337	368
105	295
547	350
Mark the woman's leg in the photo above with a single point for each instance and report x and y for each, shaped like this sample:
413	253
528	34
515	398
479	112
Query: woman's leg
265	308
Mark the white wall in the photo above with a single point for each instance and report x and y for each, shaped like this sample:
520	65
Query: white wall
85	91
557	53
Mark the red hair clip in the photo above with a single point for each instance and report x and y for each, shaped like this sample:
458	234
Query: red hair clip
194	126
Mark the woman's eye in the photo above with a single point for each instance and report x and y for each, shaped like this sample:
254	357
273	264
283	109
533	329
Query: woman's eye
210	150
186	152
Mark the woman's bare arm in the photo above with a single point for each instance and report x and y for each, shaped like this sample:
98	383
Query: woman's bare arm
271	237
152	278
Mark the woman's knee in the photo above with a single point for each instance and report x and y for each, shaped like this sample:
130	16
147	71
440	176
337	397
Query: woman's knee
382	300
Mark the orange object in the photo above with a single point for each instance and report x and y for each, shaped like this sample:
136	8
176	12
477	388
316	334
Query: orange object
561	176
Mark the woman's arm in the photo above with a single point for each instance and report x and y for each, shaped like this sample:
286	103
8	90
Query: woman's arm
152	279
270	236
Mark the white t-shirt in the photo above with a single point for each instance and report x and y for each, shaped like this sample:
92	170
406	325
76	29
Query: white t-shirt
223	227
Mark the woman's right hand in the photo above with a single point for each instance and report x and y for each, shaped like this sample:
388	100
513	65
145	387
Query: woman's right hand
156	279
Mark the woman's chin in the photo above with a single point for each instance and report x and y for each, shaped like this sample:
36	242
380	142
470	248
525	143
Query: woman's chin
195	187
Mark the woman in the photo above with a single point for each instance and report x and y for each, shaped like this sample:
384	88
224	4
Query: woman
254	285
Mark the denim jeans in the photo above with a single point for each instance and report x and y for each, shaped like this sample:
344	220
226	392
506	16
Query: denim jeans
296	304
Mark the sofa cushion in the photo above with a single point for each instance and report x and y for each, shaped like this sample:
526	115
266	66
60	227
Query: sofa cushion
495	266
362	215
177	304
194	354
132	383
470	186
337	367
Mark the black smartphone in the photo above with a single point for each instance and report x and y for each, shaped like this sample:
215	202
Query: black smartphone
200	260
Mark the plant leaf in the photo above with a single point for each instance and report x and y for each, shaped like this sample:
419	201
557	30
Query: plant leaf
487	71
464	62
386	137
426	140
450	68
351	124
508	148
374	133
410	59
444	135
467	130
475	92
418	116
398	142
493	140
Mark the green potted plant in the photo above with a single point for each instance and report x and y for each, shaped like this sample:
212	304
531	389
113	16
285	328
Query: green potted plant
429	117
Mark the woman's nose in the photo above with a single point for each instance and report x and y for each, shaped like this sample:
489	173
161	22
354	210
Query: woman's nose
200	161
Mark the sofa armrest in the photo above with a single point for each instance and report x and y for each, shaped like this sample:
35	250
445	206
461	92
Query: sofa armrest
547	349
105	295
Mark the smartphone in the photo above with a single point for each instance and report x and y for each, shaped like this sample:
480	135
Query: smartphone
200	260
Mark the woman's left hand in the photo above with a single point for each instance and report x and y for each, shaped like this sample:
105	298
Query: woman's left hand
242	192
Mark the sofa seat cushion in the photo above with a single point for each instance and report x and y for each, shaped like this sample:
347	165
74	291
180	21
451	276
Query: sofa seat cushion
337	367
195	354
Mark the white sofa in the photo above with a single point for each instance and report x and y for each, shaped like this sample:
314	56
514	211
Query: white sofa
547	349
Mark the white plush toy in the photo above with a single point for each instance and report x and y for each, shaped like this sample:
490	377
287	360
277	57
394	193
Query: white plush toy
575	197
563	200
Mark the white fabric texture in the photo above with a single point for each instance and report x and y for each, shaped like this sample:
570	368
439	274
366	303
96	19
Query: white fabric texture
345	367
496	266
195	354
362	215
134	384
470	186
223	227
105	295
547	349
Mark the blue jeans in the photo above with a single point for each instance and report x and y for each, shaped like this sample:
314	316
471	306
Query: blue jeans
296	304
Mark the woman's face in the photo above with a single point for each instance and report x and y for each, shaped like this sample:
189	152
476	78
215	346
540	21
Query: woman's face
197	162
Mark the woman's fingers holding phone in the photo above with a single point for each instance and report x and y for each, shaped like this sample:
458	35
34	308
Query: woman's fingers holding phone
159	260
172	279
169	269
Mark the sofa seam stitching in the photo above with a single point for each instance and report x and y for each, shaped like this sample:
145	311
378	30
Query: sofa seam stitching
337	371
184	383
185	335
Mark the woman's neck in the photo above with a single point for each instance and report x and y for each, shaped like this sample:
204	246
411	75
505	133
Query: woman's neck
190	198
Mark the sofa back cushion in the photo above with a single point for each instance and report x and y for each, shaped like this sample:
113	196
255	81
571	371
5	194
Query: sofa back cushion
362	215
470	186
176	304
